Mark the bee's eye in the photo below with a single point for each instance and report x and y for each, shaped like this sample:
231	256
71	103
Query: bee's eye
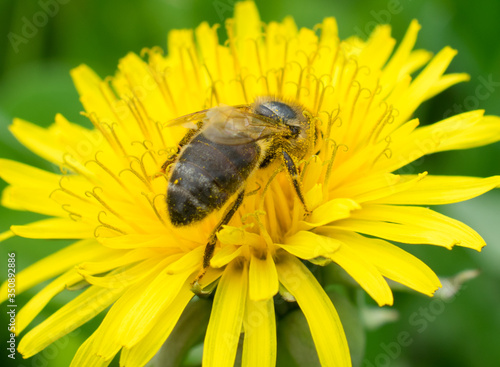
275	110
295	130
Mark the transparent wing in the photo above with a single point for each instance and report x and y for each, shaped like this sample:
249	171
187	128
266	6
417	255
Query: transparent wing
189	121
238	125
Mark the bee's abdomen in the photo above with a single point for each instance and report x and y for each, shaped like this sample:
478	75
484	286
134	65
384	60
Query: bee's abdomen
206	175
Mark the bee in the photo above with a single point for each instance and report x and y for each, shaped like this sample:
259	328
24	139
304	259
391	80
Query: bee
224	147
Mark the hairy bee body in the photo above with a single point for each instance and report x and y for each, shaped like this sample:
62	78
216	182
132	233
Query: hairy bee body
230	144
206	175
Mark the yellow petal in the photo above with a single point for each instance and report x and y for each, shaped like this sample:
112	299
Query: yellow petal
323	320
103	344
157	294
39	140
458	132
5	236
225	255
309	245
83	358
188	262
378	47
262	278
393	71
439	190
330	211
117	259
55	264
417	59
237	236
185	71
88	84
363	272
314	197
445	82
208	43
144	350
138	74
247	20
414	225
419	88
259	324
143	315
329	32
31	199
361	186
485	131
40	300
23	175
392	262
54	228
224	328
123	276
403	184
47	143
132	241
69	317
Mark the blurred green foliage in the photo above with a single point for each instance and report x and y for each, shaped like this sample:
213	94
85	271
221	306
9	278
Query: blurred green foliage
35	85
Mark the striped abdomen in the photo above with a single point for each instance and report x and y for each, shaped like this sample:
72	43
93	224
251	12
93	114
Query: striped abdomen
205	176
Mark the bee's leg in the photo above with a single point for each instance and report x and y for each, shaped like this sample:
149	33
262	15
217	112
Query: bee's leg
209	249
294	176
185	140
212	240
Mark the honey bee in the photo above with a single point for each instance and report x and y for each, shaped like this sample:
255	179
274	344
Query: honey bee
227	145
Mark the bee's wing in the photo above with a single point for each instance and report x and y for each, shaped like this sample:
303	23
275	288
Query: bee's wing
189	121
237	125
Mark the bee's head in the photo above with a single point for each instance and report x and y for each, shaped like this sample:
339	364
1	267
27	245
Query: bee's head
276	110
282	113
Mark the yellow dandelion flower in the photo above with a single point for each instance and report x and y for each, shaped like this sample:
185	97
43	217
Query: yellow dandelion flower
111	193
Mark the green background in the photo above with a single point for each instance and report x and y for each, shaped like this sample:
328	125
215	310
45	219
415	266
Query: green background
35	85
